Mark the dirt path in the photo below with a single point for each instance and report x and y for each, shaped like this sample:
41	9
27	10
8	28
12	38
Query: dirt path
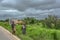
6	35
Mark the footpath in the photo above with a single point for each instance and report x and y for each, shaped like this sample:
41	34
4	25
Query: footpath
6	35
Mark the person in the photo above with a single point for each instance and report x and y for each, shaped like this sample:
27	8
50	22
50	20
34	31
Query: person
24	28
13	27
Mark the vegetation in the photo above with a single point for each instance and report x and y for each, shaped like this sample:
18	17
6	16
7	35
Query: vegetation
30	20
47	29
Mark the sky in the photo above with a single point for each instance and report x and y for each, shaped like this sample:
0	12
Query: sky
29	8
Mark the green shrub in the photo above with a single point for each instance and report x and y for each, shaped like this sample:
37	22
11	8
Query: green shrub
23	37
34	32
31	20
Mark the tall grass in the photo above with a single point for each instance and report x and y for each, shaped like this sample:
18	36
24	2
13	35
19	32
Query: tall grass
34	32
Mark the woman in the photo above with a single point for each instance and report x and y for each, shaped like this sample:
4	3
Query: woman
13	27
24	28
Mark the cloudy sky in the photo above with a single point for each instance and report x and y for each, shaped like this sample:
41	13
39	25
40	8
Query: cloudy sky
29	8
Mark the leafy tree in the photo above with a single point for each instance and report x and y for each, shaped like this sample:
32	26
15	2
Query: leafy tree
7	20
51	19
31	20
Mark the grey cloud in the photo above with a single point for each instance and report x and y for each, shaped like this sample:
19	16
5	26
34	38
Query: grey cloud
31	12
28	13
50	6
4	14
32	8
40	14
5	8
1	0
25	4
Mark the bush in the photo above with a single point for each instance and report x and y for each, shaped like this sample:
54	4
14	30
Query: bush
30	20
7	20
35	33
23	37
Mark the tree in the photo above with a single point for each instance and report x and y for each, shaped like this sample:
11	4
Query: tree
51	19
7	20
31	20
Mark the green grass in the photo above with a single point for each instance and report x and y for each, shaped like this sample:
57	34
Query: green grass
34	32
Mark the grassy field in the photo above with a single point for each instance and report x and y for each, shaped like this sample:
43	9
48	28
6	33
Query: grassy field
34	32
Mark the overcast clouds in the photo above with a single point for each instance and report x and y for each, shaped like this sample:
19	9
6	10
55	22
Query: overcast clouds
34	8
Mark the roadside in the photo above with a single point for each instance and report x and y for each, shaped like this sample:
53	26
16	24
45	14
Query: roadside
6	35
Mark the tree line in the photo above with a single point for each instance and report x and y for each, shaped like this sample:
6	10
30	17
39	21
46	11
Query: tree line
51	21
